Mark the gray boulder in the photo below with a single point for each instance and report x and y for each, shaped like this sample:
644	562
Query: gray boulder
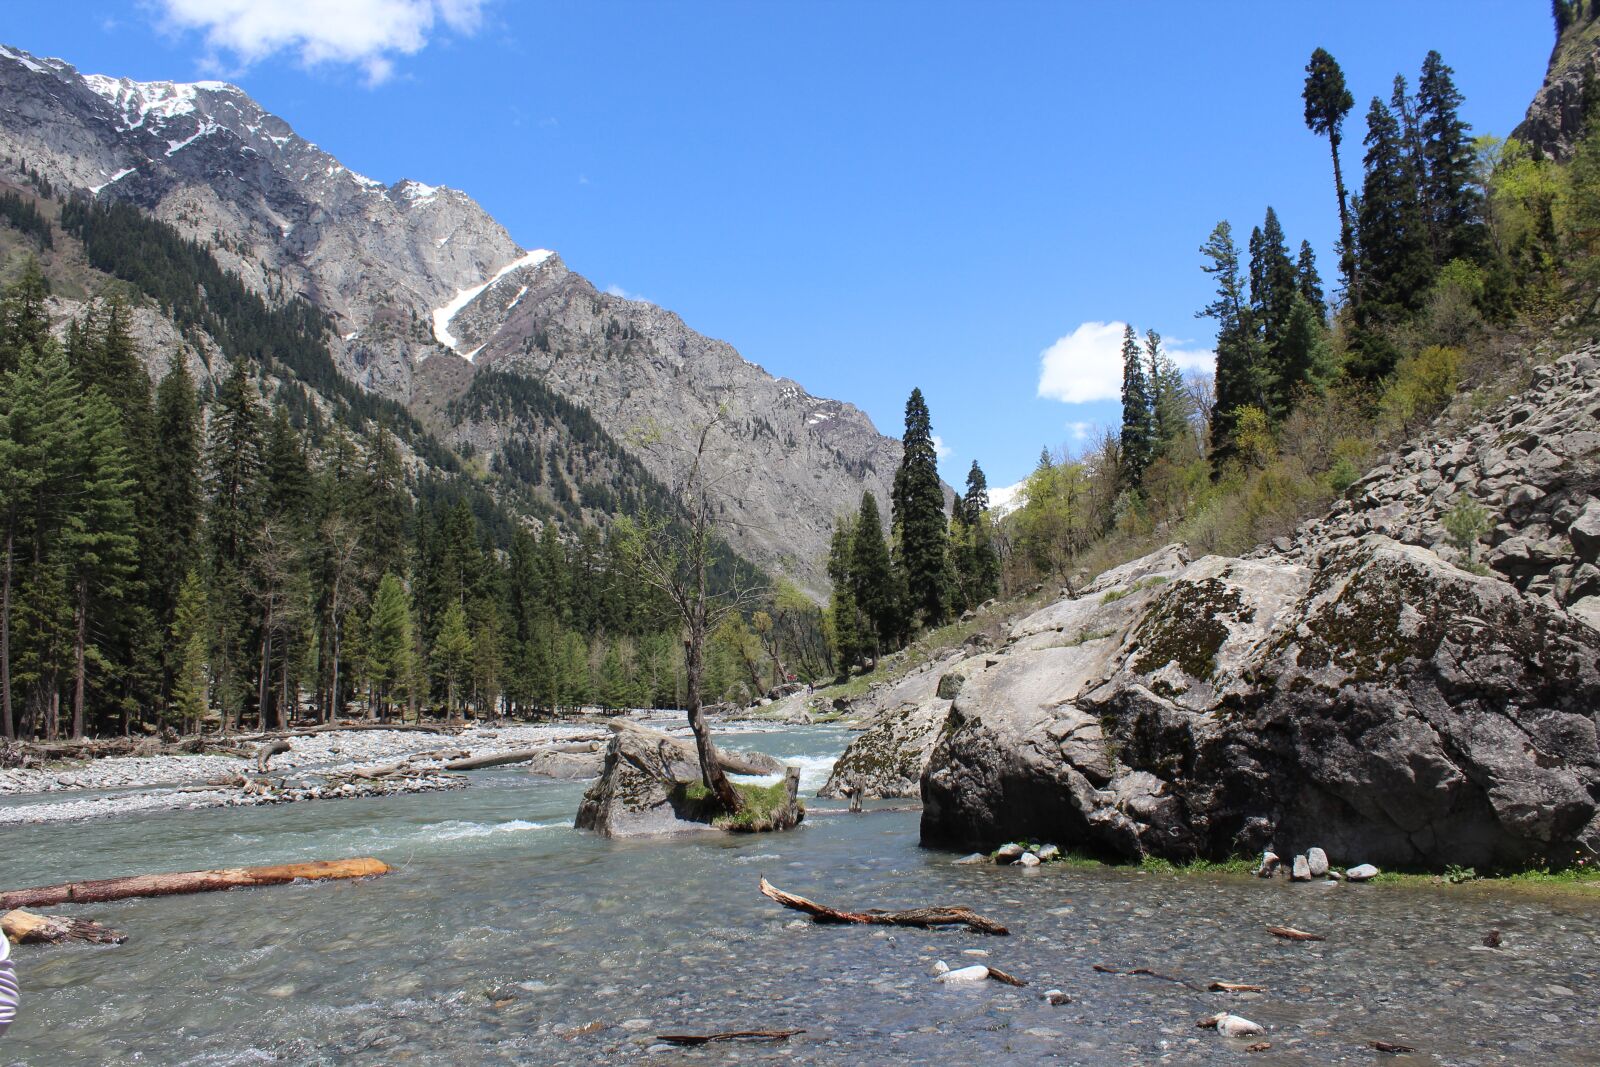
1376	700
646	783
1316	862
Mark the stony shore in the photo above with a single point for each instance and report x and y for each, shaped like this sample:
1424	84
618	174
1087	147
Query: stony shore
315	767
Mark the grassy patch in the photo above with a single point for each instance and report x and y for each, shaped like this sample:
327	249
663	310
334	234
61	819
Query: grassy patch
762	805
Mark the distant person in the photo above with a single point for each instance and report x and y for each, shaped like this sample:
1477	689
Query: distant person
9	993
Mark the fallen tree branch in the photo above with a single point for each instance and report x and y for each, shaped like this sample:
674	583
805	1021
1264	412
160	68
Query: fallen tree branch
1009	979
160	885
28	928
921	917
1234	987
1145	972
729	1035
1391	1047
1289	933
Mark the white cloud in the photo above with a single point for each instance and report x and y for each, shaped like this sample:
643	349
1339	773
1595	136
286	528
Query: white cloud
1080	431
618	291
940	449
1086	364
366	33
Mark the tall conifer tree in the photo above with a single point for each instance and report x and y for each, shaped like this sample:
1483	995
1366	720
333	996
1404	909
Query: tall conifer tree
1138	415
919	518
1327	103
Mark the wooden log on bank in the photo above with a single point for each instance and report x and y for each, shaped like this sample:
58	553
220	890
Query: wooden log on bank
161	885
265	753
28	928
922	917
522	755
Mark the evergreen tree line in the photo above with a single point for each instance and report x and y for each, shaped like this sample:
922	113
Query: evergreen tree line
1450	249
173	566
927	568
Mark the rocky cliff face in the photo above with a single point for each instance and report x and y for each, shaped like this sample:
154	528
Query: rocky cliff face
1555	118
417	274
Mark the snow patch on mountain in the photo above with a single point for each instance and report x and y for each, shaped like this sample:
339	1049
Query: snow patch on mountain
1006	499
442	316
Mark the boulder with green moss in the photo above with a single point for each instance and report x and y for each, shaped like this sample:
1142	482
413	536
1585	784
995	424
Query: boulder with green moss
1373	699
651	784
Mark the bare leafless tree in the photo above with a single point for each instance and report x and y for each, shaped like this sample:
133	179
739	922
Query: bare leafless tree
677	555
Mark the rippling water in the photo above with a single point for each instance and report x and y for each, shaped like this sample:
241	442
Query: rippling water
507	937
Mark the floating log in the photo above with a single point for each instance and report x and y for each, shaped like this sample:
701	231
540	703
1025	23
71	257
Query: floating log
265	753
1234	987
728	1035
160	885
922	917
1289	933
28	928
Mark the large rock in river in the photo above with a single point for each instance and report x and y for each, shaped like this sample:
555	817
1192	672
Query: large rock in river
646	780
1374	700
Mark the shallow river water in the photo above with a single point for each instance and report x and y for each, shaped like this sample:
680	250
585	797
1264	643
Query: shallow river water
504	936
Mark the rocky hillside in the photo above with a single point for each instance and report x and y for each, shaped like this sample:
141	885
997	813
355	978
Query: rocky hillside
1362	685
1555	118
423	288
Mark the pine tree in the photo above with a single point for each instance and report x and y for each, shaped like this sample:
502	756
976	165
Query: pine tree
189	653
176	490
24	319
1239	378
389	643
1451	201
1308	281
1395	264
1273	301
100	540
983	568
919	518
1305	364
1327	103
1169	399
38	423
233	524
850	642
452	654
872	584
1138	415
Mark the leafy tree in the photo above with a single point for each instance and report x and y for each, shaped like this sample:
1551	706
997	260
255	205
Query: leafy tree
1327	103
919	518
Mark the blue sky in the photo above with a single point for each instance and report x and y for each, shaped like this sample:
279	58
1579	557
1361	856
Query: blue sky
863	197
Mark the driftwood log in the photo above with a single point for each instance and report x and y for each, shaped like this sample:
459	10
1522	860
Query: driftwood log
265	753
160	885
28	928
1289	933
728	1035
522	755
922	917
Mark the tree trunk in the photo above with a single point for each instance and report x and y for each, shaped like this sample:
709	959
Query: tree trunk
8	727
27	928
80	638
160	885
1347	256
263	680
710	764
332	709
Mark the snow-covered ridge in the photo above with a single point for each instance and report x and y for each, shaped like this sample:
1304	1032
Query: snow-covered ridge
136	102
443	316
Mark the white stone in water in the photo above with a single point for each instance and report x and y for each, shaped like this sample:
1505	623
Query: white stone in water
1048	853
1238	1026
1028	859
976	973
1318	861
976	857
1302	869
1361	873
1055	998
1008	853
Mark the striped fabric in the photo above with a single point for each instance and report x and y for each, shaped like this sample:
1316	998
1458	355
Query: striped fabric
8	985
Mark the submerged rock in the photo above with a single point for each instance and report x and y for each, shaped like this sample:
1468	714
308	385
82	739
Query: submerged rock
1374	698
650	783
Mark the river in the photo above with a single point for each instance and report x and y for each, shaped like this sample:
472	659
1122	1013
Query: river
504	936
